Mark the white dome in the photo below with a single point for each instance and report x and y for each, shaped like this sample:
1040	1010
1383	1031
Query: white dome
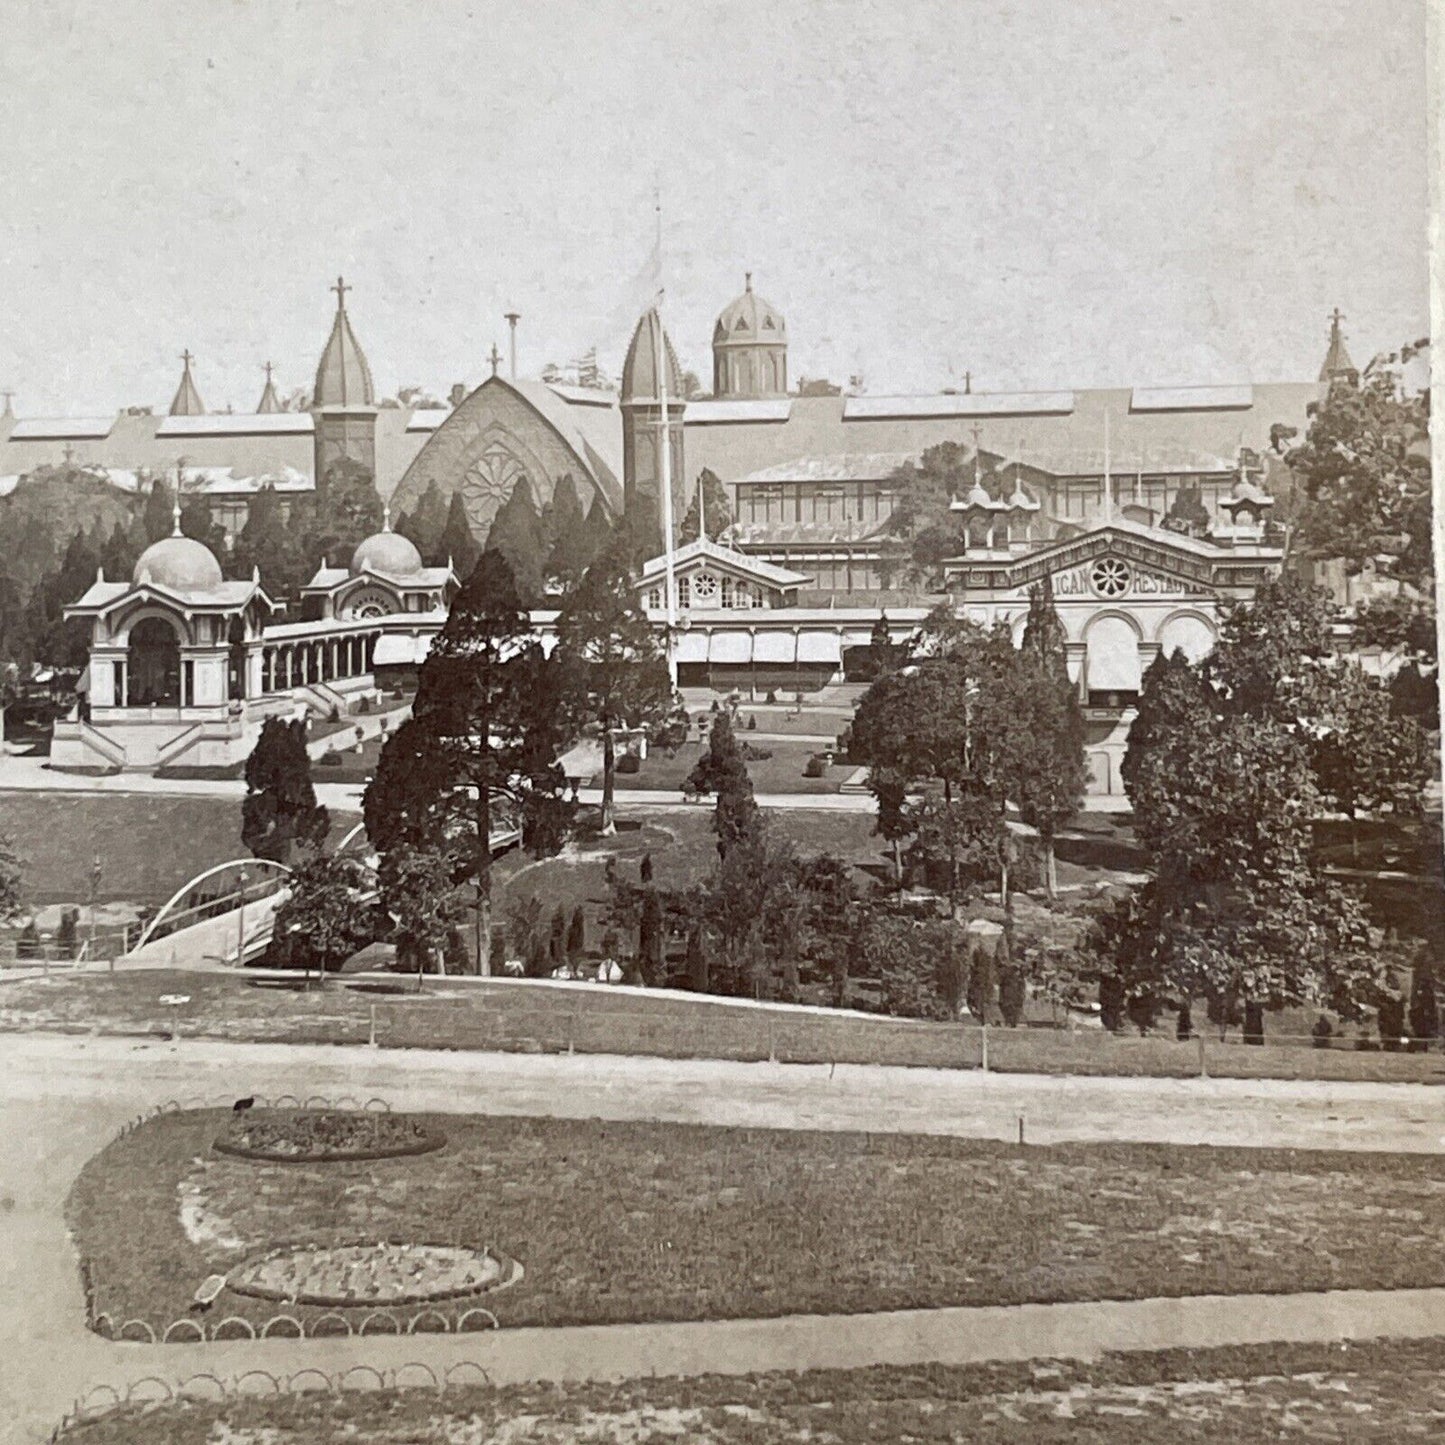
179	563
388	552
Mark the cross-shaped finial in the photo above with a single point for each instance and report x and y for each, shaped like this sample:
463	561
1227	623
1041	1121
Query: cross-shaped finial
268	371
1336	316
495	358
341	288
69	454
968	383
186	359
9	400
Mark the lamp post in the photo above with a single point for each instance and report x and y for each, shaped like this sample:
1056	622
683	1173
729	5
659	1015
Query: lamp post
241	924
95	876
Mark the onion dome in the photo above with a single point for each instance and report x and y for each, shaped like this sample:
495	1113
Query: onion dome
343	378
748	319
387	552
640	369
187	400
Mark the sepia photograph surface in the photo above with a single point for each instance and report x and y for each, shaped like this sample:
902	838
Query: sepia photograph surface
721	723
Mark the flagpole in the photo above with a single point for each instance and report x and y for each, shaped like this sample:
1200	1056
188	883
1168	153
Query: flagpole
1108	481
665	442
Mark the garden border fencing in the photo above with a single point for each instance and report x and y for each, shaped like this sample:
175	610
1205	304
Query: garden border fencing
102	1400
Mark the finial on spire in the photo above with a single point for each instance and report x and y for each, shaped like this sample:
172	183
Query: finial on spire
186	359
266	367
747	280
341	288
977	431
968	383
386	516
9	400
701	510
496	359
176	516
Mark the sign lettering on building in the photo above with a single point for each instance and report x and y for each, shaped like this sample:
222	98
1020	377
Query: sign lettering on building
1113	577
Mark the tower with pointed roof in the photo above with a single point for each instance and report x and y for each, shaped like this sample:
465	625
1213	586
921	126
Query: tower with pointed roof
343	401
1338	367
269	404
749	348
187	400
650	357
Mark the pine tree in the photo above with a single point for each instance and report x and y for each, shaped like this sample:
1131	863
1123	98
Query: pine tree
118	556
612	661
457	540
650	941
569	555
280	811
484	726
719	515
517	533
1011	991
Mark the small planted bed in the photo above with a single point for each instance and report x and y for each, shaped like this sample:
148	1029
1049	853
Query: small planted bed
308	1136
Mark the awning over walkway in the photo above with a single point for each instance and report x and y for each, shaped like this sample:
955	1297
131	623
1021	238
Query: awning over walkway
775	647
819	647
395	649
730	647
690	646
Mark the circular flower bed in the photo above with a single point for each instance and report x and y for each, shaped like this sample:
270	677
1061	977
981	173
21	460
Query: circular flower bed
307	1136
377	1273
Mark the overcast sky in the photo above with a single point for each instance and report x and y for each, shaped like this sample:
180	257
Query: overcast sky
1045	192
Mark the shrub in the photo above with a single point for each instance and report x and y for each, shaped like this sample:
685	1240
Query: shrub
458	957
1424	1009
752	723
1184	1024
1253	1022
1011	996
28	944
329	760
65	939
576	937
364	706
754	754
1322	1033
1391	1015
334	715
772	698
629	763
816	767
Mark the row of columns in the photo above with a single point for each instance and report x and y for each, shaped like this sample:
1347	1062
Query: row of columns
295	664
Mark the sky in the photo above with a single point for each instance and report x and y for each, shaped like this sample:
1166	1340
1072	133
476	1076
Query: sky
1044	193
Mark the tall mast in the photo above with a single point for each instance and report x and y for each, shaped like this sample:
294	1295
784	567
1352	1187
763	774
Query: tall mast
1108	481
665	446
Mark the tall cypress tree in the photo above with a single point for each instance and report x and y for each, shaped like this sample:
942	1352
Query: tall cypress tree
517	533
569	555
715	509
457	540
721	770
158	516
424	526
597	532
280	811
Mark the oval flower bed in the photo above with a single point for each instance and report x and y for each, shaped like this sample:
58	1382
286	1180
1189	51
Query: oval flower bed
305	1136
379	1272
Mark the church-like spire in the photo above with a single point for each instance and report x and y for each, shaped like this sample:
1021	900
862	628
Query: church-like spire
269	402
1338	366
187	400
343	378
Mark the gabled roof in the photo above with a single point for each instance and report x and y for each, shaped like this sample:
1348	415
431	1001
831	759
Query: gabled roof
102	596
705	550
845	467
269	404
332	579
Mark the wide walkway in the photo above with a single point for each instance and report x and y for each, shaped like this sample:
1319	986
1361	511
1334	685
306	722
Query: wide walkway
61	1099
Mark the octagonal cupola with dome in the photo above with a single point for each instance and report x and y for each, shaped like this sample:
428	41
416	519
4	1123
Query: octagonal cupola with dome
750	347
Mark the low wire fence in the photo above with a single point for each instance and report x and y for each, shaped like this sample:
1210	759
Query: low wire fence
153	1391
748	1035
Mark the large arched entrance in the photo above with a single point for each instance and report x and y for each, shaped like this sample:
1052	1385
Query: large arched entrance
155	664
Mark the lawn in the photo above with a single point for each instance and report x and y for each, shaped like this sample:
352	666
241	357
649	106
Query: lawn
781	772
1379	1390
148	844
617	1222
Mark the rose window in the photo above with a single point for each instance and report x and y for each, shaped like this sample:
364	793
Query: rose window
705	589
1110	577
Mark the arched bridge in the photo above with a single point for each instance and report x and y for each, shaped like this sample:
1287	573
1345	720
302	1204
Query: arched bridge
227	914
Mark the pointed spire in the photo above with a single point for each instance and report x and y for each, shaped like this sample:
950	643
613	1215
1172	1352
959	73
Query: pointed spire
187	400
343	378
100	573
1338	366
269	401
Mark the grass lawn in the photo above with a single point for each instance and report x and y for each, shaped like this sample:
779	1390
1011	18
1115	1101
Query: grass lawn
780	773
1380	1390
638	1221
148	844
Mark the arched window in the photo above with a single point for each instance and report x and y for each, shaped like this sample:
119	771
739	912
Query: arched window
1190	635
1112	663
